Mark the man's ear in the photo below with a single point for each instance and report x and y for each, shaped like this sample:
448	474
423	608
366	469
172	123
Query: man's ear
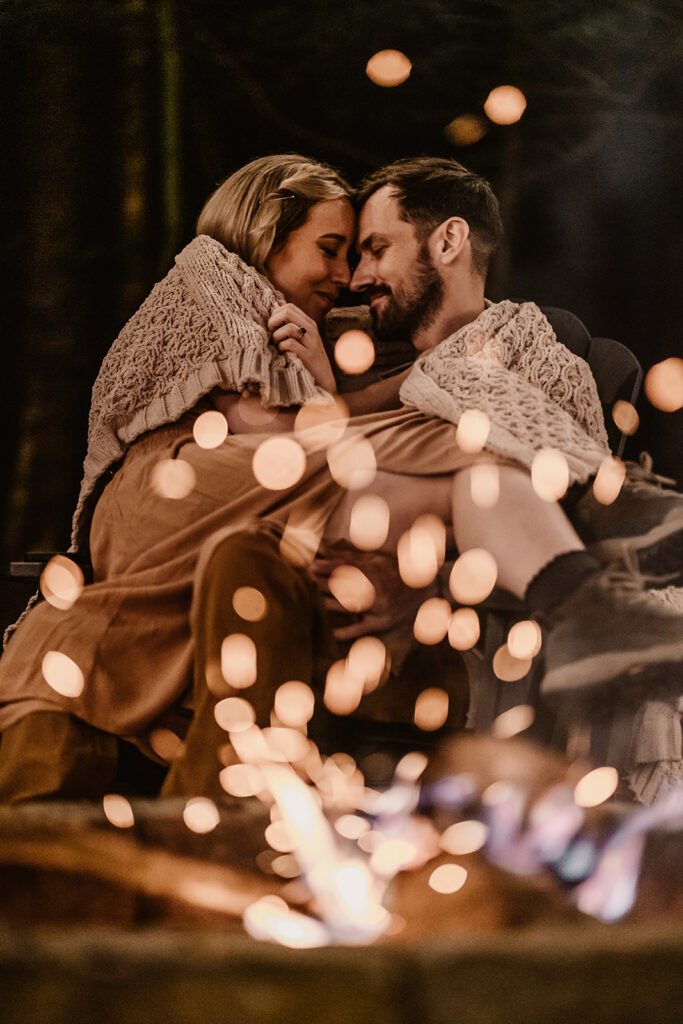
452	236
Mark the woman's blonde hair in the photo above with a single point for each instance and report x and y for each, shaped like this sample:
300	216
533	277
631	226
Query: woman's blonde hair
255	209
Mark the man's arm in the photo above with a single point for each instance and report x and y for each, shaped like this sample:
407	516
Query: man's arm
377	397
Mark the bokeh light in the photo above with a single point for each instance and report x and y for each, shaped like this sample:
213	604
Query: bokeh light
596	787
118	811
463	837
431	709
524	639
173	478
351	588
388	68
485	484
367	660
250	409
352	463
473	576
238	660
354	352
472	431
513	721
351	826
321	423
369	524
343	689
62	674
549	474
505	104
507	668
234	714
626	417
447	878
270	919
392	856
411	766
210	429
201	815
664	384
609	480
279	463
463	629
279	837
241	780
432	621
61	582
294	703
465	130
249	603
166	744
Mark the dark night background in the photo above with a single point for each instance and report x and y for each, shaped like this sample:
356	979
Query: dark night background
118	119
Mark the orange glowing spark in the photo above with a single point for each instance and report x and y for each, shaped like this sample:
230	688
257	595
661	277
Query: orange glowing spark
505	104
664	384
279	837
463	629
388	68
343	689
367	661
473	576
210	429
61	582
431	709
166	745
279	463
241	780
411	766
351	826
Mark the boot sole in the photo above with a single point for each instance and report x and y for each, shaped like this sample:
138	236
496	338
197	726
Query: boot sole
631	675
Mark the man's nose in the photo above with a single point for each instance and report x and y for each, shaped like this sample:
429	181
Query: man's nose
362	277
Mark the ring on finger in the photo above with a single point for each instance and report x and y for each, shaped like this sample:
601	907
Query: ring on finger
302	331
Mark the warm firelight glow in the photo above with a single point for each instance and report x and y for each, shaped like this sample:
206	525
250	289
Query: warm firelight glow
596	787
609	480
473	431
550	474
664	384
626	417
238	660
369	525
524	639
367	660
118	811
388	68
485	484
62	674
447	878
61	582
505	104
431	709
352	463
234	714
465	130
249	603
322	423
432	621
241	780
354	352
210	429
463	837
173	478
351	588
279	463
473	576
463	629
513	721
270	919
343	689
507	668
294	703
201	815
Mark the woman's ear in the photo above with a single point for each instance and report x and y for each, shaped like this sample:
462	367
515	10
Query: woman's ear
454	235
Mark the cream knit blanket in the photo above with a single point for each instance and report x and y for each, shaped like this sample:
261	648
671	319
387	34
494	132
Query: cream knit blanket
203	326
537	394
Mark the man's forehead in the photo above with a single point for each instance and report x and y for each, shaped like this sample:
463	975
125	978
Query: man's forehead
380	215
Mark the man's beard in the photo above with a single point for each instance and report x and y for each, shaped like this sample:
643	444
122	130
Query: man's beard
412	306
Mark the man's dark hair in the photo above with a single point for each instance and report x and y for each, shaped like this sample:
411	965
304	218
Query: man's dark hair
429	190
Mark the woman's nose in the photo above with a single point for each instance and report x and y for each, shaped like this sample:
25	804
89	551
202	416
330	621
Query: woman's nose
341	274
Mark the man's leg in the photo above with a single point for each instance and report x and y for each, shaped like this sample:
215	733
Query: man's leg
51	754
285	638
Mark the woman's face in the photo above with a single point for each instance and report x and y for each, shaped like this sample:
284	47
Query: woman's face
312	266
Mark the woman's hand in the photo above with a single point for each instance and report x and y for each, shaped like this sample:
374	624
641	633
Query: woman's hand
295	332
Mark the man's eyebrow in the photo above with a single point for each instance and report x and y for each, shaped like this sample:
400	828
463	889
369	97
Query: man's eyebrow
370	240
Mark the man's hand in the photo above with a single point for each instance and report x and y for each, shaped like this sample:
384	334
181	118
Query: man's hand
395	603
295	332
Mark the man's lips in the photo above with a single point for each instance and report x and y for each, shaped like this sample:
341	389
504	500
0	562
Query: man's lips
375	298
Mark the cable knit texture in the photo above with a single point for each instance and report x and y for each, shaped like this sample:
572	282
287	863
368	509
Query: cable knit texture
537	394
202	327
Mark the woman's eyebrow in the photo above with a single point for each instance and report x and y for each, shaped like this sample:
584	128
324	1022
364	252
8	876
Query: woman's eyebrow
334	236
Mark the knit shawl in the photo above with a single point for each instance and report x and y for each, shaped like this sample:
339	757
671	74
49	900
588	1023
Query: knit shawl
537	394
203	326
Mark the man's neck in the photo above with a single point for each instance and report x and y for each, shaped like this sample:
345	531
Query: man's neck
450	318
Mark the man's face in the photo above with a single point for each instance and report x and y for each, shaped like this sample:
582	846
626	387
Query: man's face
403	287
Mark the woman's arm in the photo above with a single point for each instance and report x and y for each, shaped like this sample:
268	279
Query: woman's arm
246	415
